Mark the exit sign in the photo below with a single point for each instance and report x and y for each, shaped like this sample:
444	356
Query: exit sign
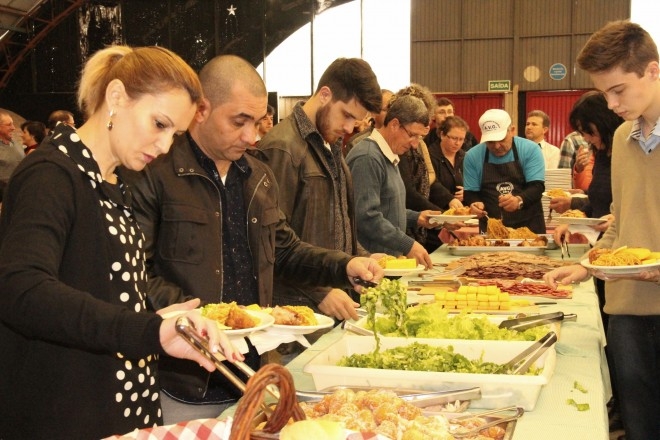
502	85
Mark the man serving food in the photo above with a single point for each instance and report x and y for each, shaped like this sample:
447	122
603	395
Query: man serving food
504	175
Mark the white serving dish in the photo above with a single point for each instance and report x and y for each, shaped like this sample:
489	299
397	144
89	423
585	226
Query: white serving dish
469	250
497	390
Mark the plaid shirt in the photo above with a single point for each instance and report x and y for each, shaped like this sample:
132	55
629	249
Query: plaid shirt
569	147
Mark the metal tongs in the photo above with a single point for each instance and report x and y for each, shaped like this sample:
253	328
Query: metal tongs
522	362
563	246
186	328
527	322
518	412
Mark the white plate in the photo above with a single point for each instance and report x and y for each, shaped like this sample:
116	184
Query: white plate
324	322
579	196
547	196
439	219
265	320
620	270
579	221
472	222
402	272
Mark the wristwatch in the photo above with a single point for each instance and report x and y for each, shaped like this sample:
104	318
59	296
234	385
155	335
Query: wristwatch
520	203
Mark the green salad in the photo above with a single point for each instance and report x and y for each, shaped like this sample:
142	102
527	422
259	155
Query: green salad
393	297
423	357
434	321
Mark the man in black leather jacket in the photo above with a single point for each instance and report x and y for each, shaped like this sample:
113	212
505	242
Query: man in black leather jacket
316	187
214	229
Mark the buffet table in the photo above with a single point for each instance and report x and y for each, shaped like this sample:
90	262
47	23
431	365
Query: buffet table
580	358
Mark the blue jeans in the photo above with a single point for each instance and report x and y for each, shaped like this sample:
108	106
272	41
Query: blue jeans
634	342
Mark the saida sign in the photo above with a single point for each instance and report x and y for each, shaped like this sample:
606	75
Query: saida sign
499	85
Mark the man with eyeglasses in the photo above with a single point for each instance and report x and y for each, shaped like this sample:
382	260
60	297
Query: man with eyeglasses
10	152
504	176
380	194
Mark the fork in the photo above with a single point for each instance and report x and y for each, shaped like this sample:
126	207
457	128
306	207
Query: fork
549	219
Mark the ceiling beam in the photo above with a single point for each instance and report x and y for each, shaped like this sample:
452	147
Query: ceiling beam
13	54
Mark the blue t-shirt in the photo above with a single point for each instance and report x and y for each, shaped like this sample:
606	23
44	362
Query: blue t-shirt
529	155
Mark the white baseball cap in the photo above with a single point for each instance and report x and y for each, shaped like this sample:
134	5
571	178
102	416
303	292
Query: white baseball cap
494	125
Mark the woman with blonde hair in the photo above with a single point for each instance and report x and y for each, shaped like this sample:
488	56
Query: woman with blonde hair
78	340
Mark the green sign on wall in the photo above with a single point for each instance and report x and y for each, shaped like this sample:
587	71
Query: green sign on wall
501	85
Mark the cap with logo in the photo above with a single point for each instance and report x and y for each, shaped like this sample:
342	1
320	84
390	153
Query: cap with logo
494	125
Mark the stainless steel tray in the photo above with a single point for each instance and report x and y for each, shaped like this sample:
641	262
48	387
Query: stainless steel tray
507	422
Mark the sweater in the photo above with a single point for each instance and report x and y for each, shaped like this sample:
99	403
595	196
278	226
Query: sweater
636	207
380	199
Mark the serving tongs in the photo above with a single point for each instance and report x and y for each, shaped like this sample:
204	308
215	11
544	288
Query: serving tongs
527	322
186	328
563	246
522	362
418	398
354	328
517	413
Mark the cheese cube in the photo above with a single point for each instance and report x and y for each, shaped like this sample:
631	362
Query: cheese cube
401	263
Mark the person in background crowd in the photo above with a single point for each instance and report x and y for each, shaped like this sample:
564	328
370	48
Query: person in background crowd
444	109
504	175
316	188
378	119
10	152
572	144
32	133
266	123
447	160
418	174
63	116
214	230
536	127
622	60
380	195
79	346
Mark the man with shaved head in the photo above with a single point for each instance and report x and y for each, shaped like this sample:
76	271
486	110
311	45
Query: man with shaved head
214	230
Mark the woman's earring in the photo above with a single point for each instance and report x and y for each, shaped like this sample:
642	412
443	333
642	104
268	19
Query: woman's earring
109	124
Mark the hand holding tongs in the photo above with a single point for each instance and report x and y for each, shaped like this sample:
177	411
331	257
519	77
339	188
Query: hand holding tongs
521	363
186	328
527	322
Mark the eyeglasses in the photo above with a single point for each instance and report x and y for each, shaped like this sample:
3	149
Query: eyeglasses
418	137
455	138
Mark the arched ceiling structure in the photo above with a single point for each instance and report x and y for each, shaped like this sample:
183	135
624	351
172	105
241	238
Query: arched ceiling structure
22	27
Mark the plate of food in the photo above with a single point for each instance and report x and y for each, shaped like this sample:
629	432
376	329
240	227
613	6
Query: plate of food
556	192
622	261
623	269
580	221
403	272
293	326
236	320
440	219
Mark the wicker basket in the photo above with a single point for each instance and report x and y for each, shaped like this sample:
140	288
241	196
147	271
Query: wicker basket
243	427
